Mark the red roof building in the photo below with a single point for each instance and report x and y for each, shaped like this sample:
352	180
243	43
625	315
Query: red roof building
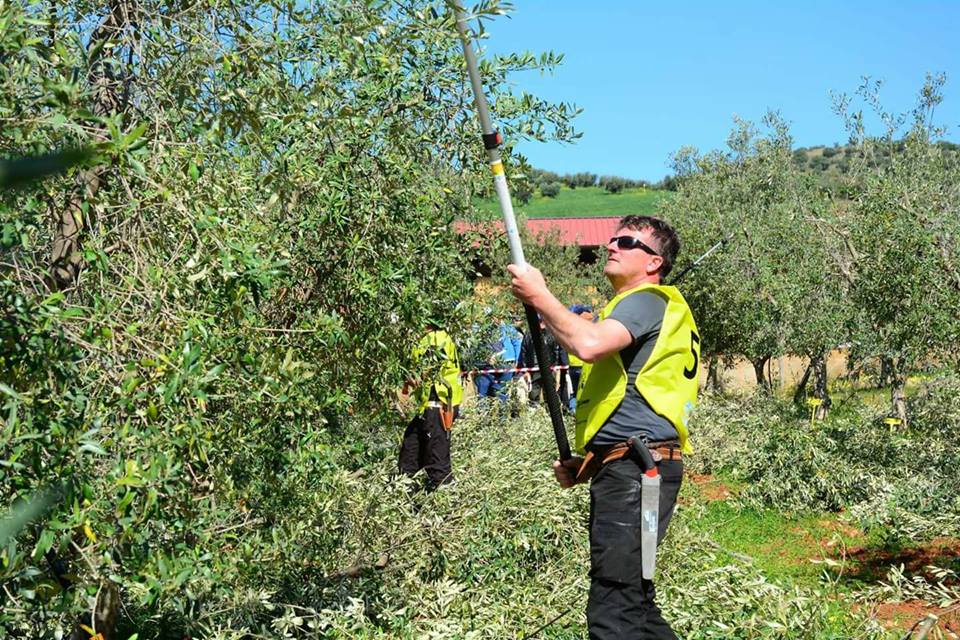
586	233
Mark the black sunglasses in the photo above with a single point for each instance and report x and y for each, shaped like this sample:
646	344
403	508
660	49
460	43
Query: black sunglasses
629	242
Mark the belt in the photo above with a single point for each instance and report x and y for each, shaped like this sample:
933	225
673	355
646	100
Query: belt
659	451
669	450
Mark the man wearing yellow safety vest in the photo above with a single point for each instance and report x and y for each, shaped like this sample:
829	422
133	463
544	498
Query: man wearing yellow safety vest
639	384
426	441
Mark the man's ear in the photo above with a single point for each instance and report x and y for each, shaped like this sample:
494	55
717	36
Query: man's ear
651	269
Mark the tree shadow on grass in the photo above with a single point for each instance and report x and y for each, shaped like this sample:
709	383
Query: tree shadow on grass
872	564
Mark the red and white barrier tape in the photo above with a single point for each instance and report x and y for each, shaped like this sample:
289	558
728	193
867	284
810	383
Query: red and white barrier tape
556	367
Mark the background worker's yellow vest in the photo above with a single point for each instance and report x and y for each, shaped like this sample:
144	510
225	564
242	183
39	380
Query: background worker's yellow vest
448	387
668	381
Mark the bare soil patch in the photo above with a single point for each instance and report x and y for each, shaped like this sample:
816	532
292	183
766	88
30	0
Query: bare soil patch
710	488
903	615
845	529
786	371
834	537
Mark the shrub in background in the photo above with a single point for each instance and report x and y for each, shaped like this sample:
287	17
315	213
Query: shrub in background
613	184
550	190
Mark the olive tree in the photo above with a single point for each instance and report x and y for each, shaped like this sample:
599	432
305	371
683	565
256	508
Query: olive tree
900	239
202	324
752	297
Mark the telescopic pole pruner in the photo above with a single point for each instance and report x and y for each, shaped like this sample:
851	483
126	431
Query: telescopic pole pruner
492	142
694	264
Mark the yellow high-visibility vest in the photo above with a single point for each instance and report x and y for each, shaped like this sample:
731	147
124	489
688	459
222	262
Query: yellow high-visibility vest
575	361
447	387
668	381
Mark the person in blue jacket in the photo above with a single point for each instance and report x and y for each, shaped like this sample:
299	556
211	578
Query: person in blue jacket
506	358
504	351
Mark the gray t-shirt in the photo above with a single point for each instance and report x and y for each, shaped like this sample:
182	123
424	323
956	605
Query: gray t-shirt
642	314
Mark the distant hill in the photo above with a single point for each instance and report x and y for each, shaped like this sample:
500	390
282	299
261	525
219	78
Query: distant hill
830	163
582	202
826	163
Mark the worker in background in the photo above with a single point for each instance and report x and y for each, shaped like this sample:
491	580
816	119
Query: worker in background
426	441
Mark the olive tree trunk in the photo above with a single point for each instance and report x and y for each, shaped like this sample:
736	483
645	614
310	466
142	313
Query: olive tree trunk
819	366
109	88
715	375
898	397
109	83
801	391
759	368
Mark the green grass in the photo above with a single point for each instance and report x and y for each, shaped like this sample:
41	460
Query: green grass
582	202
785	545
869	394
782	547
779	544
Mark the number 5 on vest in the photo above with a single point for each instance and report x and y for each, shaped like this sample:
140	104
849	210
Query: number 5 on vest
695	350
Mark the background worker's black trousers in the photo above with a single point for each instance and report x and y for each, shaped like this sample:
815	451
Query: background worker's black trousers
426	445
621	603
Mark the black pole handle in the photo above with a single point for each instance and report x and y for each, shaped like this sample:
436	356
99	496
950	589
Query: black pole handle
547	383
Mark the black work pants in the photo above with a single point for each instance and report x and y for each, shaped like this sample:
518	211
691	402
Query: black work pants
621	603
536	389
562	390
426	445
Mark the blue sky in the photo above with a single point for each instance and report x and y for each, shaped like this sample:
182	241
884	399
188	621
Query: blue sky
654	76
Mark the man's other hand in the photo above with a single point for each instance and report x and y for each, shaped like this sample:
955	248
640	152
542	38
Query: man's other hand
565	471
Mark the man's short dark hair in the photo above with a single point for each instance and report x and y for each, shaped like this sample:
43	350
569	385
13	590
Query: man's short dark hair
666	236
